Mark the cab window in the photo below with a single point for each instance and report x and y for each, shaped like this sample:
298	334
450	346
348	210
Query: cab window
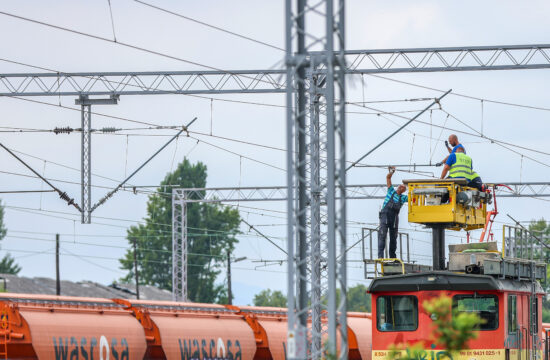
512	314
485	306
397	313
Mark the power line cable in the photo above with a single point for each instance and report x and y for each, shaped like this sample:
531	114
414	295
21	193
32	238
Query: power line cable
460	131
210	25
63	195
462	95
128	45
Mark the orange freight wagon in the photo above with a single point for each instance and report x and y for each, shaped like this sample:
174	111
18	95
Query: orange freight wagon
62	328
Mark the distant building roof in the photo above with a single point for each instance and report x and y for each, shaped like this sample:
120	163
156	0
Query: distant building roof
41	285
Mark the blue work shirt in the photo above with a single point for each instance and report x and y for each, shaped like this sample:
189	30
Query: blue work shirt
395	197
457	147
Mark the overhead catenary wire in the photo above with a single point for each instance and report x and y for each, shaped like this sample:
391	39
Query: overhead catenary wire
264	236
63	195
461	131
436	101
210	25
119	186
124	44
532	107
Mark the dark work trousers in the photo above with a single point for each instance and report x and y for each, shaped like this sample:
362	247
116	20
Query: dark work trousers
389	220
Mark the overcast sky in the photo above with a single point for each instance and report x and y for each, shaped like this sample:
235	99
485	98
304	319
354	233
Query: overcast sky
33	219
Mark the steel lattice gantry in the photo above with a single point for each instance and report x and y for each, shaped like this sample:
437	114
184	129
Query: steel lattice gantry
465	58
311	80
114	84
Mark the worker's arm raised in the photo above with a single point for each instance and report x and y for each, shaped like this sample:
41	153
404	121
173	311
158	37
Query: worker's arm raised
445	171
388	177
442	161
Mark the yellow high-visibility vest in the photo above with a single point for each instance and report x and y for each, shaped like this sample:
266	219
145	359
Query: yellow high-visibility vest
462	168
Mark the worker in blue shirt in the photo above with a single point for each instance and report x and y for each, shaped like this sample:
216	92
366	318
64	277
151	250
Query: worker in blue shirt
389	216
453	140
459	165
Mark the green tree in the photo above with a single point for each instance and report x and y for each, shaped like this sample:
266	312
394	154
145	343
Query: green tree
541	229
7	264
270	298
358	299
211	233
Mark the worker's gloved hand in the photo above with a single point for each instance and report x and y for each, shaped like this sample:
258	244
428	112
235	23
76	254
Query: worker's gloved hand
439	164
391	169
446	143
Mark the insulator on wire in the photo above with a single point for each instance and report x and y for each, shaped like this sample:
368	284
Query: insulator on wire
66	197
63	130
108	130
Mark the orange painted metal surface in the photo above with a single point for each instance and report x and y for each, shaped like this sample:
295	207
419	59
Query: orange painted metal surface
52	327
273	321
66	328
360	335
200	331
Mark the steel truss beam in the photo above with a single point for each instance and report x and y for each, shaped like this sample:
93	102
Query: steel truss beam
142	83
464	58
353	192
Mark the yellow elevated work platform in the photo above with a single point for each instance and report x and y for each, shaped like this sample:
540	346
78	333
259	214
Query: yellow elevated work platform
447	202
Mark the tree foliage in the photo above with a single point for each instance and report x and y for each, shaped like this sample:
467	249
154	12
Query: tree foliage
451	330
541	229
270	298
7	264
211	233
358	299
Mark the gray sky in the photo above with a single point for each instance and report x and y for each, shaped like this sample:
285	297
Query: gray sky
370	24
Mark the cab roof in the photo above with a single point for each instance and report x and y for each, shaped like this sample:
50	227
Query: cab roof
446	280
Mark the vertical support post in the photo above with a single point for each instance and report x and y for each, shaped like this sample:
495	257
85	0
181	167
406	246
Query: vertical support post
229	292
296	179
57	279
315	205
401	246
86	159
301	169
438	248
179	245
136	271
370	237
292	341
336	176
408	251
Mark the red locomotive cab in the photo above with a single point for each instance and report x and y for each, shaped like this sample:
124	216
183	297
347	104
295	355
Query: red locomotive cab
508	329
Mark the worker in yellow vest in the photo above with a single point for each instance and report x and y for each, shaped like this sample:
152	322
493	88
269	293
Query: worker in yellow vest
459	165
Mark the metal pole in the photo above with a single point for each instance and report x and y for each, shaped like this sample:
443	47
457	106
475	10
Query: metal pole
86	160
301	170
229	294
438	248
293	339
57	279
340	134
401	246
136	271
179	235
315	205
